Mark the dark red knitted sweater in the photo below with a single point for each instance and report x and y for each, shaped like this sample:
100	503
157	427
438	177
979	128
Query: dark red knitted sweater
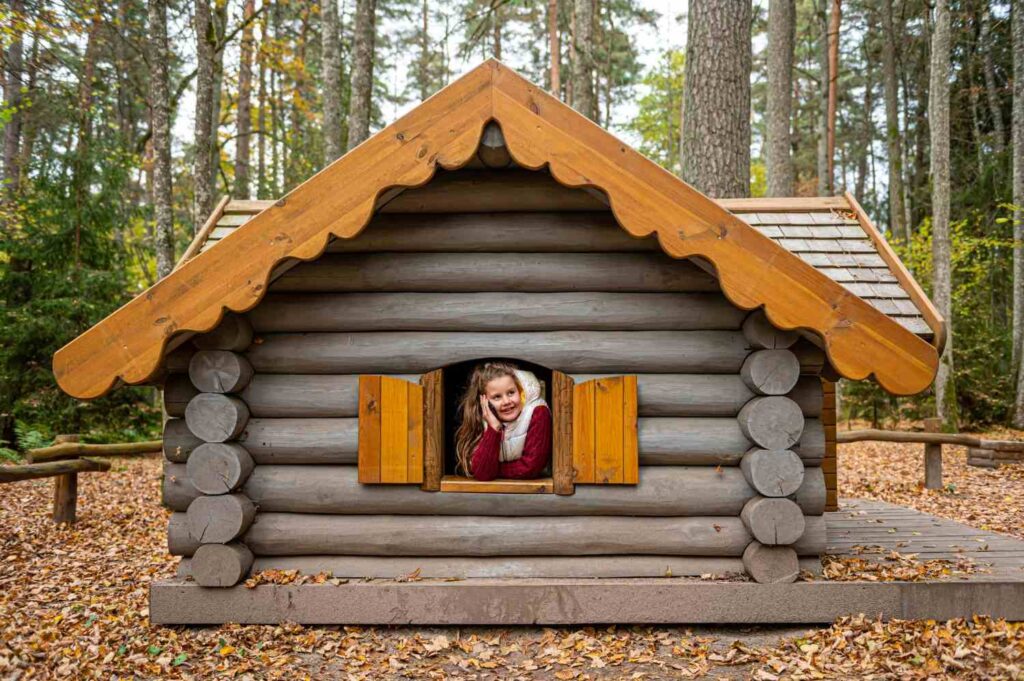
485	462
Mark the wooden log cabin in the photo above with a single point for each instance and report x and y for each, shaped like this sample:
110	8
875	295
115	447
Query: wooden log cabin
311	350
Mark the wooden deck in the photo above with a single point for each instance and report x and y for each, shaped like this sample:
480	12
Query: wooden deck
995	589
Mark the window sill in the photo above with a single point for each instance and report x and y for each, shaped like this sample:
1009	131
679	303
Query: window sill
458	483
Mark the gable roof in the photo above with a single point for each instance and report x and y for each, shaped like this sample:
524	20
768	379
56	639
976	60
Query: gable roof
539	131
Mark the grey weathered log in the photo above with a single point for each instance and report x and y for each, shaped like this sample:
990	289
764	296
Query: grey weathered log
773	521
282	534
511	272
773	473
812	358
219	519
663	491
220	565
811	446
691	441
179	541
178	440
178	391
686	394
771	564
219	467
50	469
404	352
814	540
219	371
773	422
65	499
762	335
233	333
176	361
770	372
177	490
582	232
812	496
577	311
492	150
216	418
280	441
807	393
306	395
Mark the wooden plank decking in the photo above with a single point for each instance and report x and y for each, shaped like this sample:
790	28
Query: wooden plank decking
996	589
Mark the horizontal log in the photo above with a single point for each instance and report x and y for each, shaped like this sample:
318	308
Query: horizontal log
49	469
770	372
814	539
219	371
219	467
233	333
807	393
773	521
773	473
216	418
548	232
220	565
568	351
71	450
178	440
178	390
774	422
219	519
662	491
176	361
502	271
771	564
179	541
762	335
283	534
929	438
811	446
691	441
578	311
306	395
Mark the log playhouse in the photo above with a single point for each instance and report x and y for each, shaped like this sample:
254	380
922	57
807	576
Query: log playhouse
312	350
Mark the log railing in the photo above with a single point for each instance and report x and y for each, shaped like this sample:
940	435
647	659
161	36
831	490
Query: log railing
63	461
981	451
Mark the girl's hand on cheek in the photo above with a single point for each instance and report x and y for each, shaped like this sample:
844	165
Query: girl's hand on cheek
489	417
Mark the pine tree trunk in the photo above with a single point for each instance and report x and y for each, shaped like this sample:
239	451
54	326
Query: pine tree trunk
583	63
823	80
715	147
424	62
360	101
160	112
331	46
1017	17
778	142
243	124
833	92
202	164
13	83
261	117
998	130
945	389
555	50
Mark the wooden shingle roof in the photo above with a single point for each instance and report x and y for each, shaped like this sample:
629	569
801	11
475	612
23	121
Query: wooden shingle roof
540	131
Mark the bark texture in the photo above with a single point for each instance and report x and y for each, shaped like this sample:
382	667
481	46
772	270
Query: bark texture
244	122
715	145
897	224
583	65
202	165
945	394
360	102
1018	200
554	50
160	112
991	90
13	82
778	142
331	47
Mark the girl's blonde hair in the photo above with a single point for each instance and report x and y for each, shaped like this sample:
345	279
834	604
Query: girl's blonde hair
471	421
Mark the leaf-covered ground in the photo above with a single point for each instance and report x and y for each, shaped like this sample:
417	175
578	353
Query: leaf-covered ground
73	604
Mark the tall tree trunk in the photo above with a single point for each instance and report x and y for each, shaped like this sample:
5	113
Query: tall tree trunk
833	91
778	142
202	164
821	7
998	130
555	50
496	26
83	164
972	95
160	111
945	388
715	146
423	67
331	46
29	125
360	101
243	124
261	114
583	63
13	84
1017	17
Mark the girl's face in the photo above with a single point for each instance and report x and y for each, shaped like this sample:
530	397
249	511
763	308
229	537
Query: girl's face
503	394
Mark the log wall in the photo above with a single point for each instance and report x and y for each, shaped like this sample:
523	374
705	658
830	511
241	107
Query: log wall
263	441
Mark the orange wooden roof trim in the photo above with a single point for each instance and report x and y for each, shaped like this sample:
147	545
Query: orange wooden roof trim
539	131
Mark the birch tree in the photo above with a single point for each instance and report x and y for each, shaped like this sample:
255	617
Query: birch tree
778	142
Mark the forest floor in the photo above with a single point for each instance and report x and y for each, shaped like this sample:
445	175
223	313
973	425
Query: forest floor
73	604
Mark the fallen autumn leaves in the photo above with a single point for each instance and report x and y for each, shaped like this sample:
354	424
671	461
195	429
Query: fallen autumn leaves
73	604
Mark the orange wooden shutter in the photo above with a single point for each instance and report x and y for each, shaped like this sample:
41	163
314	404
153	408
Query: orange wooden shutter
604	431
390	431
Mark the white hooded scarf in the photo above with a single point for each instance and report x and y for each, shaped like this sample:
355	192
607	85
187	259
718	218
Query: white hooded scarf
514	435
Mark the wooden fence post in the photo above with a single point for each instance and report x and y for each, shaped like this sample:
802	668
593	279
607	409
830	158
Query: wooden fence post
65	490
933	456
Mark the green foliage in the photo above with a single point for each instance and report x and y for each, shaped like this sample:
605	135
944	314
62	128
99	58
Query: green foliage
658	117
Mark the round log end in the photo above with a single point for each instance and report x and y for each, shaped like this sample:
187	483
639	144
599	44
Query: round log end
220	565
773	473
233	333
216	418
219	371
773	521
769	372
771	564
219	519
219	467
772	422
179	541
761	335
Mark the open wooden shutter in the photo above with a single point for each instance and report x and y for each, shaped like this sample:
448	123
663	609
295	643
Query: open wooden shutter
604	431
390	431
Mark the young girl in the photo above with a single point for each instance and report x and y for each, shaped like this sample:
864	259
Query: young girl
506	426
